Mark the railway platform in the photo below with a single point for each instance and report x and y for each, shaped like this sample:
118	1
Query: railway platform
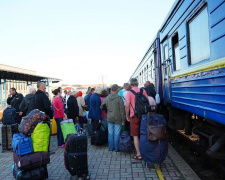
104	164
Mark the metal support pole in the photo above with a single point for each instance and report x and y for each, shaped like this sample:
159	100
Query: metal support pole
48	87
5	93
1	92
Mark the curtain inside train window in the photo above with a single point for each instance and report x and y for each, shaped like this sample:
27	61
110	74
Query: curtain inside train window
198	27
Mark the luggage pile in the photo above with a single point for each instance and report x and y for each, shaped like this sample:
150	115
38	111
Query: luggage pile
153	138
75	152
31	147
100	136
9	128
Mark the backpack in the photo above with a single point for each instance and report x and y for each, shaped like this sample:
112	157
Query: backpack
9	116
141	103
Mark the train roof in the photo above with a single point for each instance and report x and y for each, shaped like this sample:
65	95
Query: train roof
175	4
149	48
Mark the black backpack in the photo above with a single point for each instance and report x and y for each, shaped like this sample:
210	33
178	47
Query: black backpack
141	103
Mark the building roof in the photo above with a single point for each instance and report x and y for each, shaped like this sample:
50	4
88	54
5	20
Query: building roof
14	73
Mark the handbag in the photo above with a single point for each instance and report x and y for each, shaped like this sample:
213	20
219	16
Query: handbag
155	132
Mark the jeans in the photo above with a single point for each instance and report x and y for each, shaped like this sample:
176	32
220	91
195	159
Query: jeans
104	125
113	135
59	132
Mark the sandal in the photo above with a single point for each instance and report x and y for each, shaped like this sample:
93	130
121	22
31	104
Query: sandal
137	157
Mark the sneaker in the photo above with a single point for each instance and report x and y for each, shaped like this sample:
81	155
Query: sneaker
62	146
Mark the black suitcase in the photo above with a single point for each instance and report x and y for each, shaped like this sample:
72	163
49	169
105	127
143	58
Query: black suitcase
75	155
34	174
7	135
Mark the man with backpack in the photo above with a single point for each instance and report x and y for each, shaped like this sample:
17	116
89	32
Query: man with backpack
137	104
27	104
15	100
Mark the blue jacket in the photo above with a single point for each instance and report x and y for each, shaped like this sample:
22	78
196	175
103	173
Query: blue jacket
87	100
94	109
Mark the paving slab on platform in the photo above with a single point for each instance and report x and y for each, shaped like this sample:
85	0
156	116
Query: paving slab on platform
104	164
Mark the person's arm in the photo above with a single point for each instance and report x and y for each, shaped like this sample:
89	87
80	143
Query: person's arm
76	108
122	111
145	94
127	109
99	114
47	106
59	105
22	105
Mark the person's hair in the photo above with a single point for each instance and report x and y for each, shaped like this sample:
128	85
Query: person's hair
56	91
73	93
32	89
89	88
69	91
14	89
65	90
114	87
104	93
126	85
92	89
98	90
40	84
134	82
59	88
148	83
152	85
9	101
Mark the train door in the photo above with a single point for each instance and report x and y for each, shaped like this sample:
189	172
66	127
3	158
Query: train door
166	72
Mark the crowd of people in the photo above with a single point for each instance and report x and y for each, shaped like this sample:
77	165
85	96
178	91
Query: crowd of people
109	108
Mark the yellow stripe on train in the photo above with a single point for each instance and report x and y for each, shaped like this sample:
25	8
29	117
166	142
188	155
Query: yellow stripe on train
217	64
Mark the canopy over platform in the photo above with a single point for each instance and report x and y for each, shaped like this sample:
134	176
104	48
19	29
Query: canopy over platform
14	73
10	73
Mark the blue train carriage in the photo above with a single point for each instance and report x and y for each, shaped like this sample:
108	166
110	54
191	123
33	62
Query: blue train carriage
193	65
149	69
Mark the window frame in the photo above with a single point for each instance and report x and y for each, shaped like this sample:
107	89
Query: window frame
173	50
189	20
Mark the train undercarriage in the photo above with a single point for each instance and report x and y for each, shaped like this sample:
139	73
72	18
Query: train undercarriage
211	135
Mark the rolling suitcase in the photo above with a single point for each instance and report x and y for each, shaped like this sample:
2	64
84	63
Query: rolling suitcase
53	127
7	134
40	173
75	155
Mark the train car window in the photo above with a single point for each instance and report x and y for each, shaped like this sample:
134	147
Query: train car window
198	29
176	52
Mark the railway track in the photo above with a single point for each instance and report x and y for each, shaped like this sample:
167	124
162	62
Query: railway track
189	149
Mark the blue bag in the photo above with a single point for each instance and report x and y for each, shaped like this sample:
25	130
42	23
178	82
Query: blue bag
152	152
9	116
124	143
22	144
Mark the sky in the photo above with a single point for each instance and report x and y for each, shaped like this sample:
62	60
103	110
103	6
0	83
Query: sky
79	41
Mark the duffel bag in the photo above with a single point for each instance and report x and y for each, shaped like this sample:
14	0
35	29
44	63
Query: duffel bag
67	127
22	144
31	161
99	136
30	121
38	173
124	142
40	137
